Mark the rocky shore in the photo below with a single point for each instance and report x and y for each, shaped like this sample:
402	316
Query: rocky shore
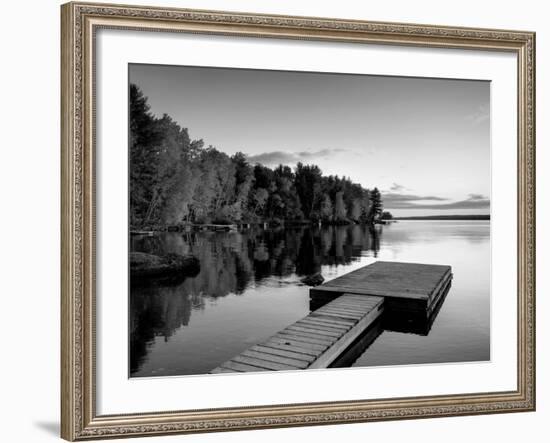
144	265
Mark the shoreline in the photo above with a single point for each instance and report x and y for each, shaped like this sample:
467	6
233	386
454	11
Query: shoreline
147	230
472	217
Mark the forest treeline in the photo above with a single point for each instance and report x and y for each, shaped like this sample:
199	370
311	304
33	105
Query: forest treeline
175	180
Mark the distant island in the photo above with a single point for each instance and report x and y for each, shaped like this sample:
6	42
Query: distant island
447	217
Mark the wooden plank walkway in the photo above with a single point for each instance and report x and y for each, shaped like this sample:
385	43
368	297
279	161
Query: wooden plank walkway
355	300
406	286
312	342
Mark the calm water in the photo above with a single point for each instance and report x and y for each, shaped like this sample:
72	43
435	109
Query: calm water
249	289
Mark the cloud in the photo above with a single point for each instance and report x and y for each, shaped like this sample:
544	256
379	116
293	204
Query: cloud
397	198
475	197
284	157
409	201
396	187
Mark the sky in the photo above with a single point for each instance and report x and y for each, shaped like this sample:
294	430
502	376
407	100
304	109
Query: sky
425	143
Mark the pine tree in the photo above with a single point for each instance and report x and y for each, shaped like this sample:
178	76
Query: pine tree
375	205
145	139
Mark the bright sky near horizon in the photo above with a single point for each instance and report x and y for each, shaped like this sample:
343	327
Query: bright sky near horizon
425	143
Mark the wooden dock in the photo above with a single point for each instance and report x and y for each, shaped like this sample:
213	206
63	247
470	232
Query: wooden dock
312	342
411	287
343	309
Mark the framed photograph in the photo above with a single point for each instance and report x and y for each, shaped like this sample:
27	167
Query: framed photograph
282	221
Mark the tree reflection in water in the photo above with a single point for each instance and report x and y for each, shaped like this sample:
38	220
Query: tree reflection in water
231	262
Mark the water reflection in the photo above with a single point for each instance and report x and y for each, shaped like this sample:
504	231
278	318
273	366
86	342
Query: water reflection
232	263
249	288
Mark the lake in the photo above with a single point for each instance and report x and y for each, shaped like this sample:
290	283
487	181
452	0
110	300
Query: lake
249	288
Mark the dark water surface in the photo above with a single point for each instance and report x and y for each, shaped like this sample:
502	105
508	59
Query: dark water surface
249	289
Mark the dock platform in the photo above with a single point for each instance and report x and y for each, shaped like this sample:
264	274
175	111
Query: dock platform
343	309
312	342
411	287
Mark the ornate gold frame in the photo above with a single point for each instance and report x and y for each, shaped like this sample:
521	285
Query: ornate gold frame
79	23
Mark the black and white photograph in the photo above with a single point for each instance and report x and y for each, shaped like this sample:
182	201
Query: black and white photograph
285	220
